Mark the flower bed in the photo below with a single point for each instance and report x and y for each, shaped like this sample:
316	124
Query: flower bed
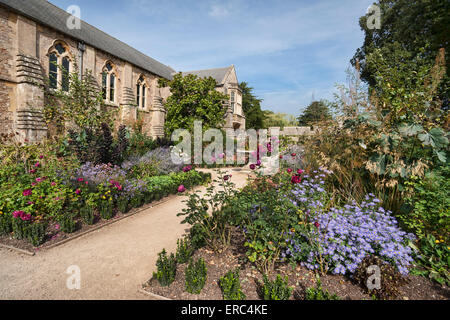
43	204
289	225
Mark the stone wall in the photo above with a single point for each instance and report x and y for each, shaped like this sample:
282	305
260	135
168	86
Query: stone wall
7	35
294	132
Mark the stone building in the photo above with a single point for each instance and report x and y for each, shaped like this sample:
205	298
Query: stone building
35	35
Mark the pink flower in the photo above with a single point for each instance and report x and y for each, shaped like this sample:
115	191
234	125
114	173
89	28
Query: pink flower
32	170
293	154
80	179
252	166
258	163
26	217
187	168
38	179
296	179
289	170
316	224
181	189
37	164
221	156
30	202
300	171
78	191
86	182
33	184
53	184
226	177
41	157
57	226
26	192
17	214
213	159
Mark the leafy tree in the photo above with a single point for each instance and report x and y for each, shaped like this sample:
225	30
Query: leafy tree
193	99
315	112
251	107
278	119
412	28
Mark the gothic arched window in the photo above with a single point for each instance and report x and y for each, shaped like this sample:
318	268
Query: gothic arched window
59	66
109	82
141	93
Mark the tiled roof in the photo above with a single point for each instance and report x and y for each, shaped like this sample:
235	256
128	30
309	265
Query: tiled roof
48	14
218	74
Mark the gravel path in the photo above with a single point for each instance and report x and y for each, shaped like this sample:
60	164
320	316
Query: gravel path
114	261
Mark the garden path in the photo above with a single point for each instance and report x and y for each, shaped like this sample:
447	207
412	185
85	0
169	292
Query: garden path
114	261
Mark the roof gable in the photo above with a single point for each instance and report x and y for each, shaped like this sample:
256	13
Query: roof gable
217	74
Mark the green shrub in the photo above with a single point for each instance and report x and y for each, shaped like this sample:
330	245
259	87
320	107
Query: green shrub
166	268
87	214
231	286
36	233
67	223
434	260
5	225
19	228
427	209
123	204
275	290
184	250
106	210
195	276
318	293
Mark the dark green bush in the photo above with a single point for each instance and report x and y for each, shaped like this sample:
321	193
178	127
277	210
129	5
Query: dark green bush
5	225
275	290
184	250
318	293
67	223
36	233
231	286
195	276
166	268
390	282
87	214
106	210
19	228
123	204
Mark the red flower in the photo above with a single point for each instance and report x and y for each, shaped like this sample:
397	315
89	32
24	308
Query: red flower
252	166
281	157
80	179
37	164
226	177
41	157
289	170
300	171
26	192
316	224
296	179
258	163
181	189
78	191
293	154
32	170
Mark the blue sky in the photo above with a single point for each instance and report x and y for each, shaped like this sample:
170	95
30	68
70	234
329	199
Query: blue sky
287	50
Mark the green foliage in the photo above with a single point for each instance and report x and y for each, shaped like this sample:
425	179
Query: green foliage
317	293
251	106
231	286
317	111
205	214
434	260
106	209
123	204
390	279
184	250
83	105
195	276
36	233
67	223
276	290
166	268
19	228
193	99
427	204
409	26
87	214
5	224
